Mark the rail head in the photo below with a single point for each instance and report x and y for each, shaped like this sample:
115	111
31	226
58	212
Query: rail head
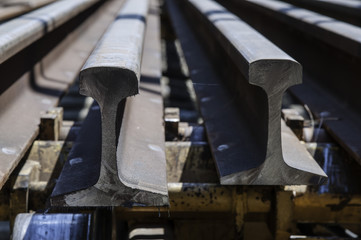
339	3
351	7
256	56
108	85
340	35
114	66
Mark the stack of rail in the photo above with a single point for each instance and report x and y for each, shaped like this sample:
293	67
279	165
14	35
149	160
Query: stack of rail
239	77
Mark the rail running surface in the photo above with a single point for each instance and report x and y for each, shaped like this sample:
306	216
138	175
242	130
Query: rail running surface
130	167
19	33
344	10
265	72
10	8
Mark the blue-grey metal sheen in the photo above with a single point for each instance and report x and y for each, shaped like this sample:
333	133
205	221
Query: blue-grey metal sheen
272	71
338	34
52	226
343	10
17	34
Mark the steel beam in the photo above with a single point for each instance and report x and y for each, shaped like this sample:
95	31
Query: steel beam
36	91
129	167
329	52
10	9
243	119
344	10
341	35
112	72
19	33
323	32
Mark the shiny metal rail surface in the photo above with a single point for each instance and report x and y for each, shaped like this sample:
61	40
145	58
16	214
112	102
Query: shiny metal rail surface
344	10
131	169
10	9
19	33
329	52
37	91
338	34
264	73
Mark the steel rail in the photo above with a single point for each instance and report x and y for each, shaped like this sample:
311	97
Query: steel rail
131	169
35	91
344	10
340	35
329	52
10	9
19	33
257	73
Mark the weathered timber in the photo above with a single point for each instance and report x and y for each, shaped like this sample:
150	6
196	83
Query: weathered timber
127	164
256	73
